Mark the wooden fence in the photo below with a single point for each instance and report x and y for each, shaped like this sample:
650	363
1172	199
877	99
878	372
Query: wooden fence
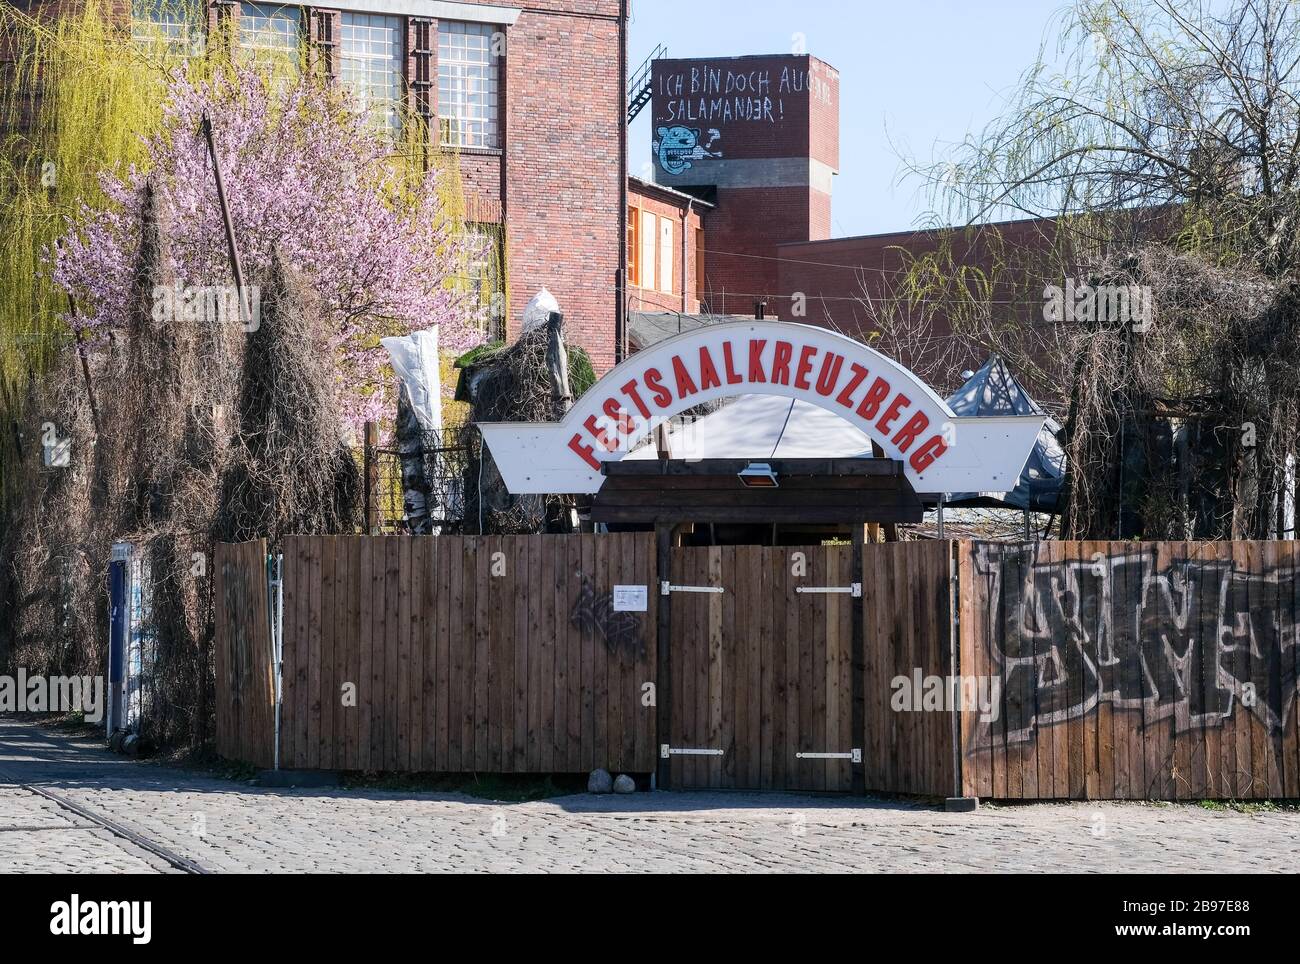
908	743
762	671
245	690
1131	670
1075	670
466	653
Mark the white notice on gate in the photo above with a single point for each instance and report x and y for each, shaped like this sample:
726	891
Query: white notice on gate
629	599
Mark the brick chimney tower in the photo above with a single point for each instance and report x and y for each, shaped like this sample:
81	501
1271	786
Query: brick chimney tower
759	137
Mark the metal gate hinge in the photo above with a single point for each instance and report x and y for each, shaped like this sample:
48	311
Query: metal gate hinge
665	751
854	755
665	588
855	589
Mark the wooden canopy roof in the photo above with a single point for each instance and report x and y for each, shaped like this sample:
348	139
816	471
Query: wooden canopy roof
710	490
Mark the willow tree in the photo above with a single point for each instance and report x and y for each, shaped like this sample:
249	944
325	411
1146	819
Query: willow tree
1174	122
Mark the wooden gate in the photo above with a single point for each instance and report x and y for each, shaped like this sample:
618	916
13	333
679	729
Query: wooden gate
761	668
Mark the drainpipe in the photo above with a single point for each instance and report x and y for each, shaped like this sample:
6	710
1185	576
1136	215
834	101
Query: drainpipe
620	282
686	219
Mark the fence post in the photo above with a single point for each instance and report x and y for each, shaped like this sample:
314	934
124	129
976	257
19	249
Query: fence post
858	662
371	459
663	664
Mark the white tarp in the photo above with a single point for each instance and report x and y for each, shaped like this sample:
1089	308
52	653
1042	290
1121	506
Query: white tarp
750	427
415	360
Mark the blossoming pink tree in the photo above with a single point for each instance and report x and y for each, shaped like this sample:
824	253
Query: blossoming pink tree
307	174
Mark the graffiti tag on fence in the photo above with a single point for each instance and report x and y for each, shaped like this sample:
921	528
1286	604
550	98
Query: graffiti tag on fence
594	612
1185	640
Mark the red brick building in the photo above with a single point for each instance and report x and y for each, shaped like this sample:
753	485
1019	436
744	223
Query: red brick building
665	235
758	137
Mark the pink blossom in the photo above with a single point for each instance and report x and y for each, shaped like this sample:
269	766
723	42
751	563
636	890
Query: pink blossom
305	173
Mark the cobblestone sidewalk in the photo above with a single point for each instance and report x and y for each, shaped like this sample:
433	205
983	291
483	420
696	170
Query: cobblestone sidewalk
227	826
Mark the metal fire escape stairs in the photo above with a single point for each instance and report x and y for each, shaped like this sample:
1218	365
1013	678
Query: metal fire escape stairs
638	88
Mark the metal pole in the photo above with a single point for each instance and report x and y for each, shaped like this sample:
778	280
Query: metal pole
941	495
235	268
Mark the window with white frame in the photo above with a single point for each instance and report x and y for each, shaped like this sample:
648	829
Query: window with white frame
665	255
468	80
269	32
176	25
371	64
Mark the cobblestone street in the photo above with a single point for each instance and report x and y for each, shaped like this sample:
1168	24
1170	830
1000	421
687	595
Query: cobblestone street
227	826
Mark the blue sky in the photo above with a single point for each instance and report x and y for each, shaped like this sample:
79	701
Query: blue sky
913	76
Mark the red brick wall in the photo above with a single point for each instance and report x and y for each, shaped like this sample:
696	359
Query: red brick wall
564	170
787	116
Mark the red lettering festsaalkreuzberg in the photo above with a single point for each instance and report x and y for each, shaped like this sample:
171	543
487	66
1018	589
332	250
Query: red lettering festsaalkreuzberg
832	380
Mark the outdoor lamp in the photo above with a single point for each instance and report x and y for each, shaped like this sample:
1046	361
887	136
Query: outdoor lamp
757	475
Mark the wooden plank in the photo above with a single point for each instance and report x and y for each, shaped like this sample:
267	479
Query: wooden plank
445	558
745	659
711	657
392	641
1261	764
376	659
1114	749
644	550
518	669
1206	639
587	724
1291	692
308	701
778	693
427	650
728	664
796	627
563	594
771	659
759	587
967	589
844	605
483	601
691	654
419	668
1287	668
1183	741
469	642
364	675
573	637
459	653
325	670
1223	631
399	705
1013	639
1090	705
296	598
545	679
1241	662
346	613
772	644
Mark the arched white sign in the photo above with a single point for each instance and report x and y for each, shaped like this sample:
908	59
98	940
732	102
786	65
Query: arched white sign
941	452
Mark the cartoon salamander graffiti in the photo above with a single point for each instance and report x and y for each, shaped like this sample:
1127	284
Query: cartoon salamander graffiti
677	146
